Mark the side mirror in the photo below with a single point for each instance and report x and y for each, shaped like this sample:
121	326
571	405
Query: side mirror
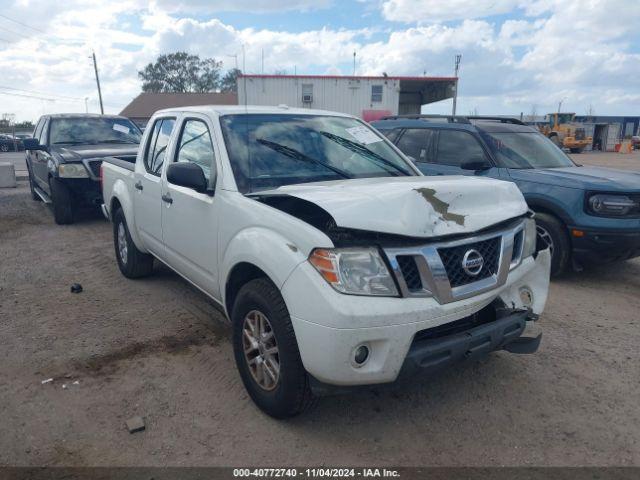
476	165
187	174
32	144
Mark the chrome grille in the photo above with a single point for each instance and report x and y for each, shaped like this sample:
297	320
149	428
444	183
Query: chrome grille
452	258
410	272
436	269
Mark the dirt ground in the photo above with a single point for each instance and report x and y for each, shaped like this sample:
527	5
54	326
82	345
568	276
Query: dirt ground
160	349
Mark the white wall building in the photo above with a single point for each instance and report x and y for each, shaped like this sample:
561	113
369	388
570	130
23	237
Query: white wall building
367	97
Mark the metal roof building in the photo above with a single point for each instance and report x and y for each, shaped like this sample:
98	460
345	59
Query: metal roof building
146	104
367	97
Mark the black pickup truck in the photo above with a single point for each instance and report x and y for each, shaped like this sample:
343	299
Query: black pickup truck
64	157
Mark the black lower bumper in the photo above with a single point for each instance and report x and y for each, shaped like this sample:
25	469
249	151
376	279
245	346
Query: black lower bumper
430	355
84	190
598	246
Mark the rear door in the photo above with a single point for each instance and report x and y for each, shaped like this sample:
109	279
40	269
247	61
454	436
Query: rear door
190	219
418	144
147	184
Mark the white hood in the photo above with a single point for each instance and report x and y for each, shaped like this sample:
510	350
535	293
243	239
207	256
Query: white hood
413	206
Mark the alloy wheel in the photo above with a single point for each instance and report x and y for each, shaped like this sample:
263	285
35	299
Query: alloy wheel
123	249
261	350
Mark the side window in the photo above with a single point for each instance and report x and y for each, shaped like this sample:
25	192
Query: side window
42	136
376	93
158	142
38	129
456	147
391	134
416	143
195	146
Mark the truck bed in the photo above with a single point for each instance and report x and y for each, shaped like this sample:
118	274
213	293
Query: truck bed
122	162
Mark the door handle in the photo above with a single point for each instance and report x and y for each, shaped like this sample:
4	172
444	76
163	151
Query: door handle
139	186
167	199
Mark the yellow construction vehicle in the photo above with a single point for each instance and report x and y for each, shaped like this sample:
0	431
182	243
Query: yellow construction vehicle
565	133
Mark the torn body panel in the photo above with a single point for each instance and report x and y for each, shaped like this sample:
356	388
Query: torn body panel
422	207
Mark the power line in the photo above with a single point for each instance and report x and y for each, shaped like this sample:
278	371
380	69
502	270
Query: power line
41	93
48	99
23	24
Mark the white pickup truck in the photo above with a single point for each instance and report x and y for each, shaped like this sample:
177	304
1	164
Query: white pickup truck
336	261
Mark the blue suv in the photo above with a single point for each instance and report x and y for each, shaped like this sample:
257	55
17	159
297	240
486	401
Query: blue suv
583	214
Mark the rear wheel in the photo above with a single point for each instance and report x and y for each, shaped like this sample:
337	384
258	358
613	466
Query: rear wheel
62	202
552	235
132	262
266	351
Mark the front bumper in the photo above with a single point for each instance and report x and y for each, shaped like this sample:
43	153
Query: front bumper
84	190
329	326
603	246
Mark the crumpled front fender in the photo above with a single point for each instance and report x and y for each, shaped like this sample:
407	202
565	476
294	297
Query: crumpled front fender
535	281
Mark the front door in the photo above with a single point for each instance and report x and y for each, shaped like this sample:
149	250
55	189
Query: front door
455	147
190	219
148	187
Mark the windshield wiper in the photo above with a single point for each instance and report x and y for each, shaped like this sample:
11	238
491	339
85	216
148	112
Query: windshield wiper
295	154
362	150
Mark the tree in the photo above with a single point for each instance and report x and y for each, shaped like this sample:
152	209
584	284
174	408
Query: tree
229	82
181	72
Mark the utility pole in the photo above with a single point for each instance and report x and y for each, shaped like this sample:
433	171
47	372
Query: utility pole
455	93
86	104
354	63
95	67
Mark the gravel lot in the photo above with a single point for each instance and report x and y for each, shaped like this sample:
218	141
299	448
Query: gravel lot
160	349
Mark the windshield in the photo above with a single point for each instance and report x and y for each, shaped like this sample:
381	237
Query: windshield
92	131
271	150
525	150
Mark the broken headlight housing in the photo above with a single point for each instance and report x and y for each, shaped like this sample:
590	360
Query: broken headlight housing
354	271
614	205
72	170
530	238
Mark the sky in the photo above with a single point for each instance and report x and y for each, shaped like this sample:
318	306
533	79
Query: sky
517	55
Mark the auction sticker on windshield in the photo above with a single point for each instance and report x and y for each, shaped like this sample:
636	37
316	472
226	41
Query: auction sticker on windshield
120	128
363	135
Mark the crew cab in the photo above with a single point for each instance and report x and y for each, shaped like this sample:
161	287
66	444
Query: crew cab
336	261
63	159
584	215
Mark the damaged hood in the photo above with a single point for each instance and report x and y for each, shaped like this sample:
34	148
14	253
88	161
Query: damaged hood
412	206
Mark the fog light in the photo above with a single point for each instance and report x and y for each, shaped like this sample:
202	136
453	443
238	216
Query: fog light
526	296
361	355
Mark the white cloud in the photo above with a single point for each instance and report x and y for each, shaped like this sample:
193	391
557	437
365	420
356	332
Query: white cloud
586	51
254	6
411	11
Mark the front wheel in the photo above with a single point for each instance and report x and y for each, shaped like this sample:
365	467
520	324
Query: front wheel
62	202
132	262
266	351
4	147
576	150
552	235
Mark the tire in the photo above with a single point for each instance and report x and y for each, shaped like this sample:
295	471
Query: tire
289	394
34	195
132	262
62	202
576	150
4	147
552	233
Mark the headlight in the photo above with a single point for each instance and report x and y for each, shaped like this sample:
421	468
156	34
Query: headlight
72	170
356	271
530	238
607	205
